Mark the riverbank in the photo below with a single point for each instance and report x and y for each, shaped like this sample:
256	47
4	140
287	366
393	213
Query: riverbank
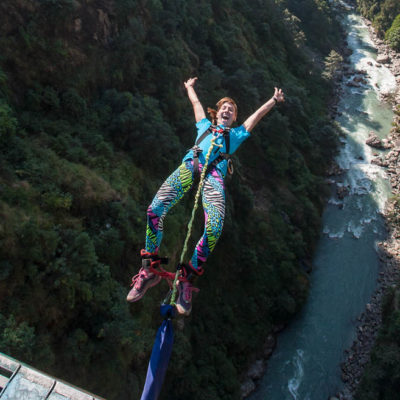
390	59
370	320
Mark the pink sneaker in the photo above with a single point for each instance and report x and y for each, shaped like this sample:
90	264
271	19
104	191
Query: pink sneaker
184	302
141	282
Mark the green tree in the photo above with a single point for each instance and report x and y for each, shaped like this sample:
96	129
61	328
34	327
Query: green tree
332	63
393	34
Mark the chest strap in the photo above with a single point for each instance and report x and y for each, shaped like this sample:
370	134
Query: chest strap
223	156
211	130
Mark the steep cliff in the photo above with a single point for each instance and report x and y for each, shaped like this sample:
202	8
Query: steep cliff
93	117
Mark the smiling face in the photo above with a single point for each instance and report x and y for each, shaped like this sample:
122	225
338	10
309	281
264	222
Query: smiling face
227	112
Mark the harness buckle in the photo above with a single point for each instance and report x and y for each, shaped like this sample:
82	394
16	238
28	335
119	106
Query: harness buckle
196	150
230	168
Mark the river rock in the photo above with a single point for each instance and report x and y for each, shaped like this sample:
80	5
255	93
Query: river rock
377	161
353	84
374	141
396	144
360	79
342	191
247	387
334	169
383	58
269	345
256	371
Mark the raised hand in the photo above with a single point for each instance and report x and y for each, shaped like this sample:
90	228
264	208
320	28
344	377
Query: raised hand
197	107
190	82
279	96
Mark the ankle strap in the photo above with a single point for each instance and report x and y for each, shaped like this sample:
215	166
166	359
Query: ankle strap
189	272
149	258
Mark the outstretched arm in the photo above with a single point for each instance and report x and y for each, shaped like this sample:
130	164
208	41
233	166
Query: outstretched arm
199	113
253	120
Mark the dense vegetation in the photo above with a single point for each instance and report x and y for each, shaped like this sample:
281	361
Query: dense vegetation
392	35
93	116
385	16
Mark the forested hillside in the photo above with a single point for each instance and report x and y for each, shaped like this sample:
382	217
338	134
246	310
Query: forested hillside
93	117
385	16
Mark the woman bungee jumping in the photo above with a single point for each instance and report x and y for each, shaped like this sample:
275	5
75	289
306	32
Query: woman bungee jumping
224	141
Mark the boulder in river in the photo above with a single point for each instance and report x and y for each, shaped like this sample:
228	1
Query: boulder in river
378	161
334	169
342	191
374	141
383	59
353	84
360	79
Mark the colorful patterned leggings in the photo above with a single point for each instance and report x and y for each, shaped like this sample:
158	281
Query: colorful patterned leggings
171	191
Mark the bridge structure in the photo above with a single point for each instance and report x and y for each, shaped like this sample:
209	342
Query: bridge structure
19	381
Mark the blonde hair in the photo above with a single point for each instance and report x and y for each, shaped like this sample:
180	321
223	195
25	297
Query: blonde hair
213	113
